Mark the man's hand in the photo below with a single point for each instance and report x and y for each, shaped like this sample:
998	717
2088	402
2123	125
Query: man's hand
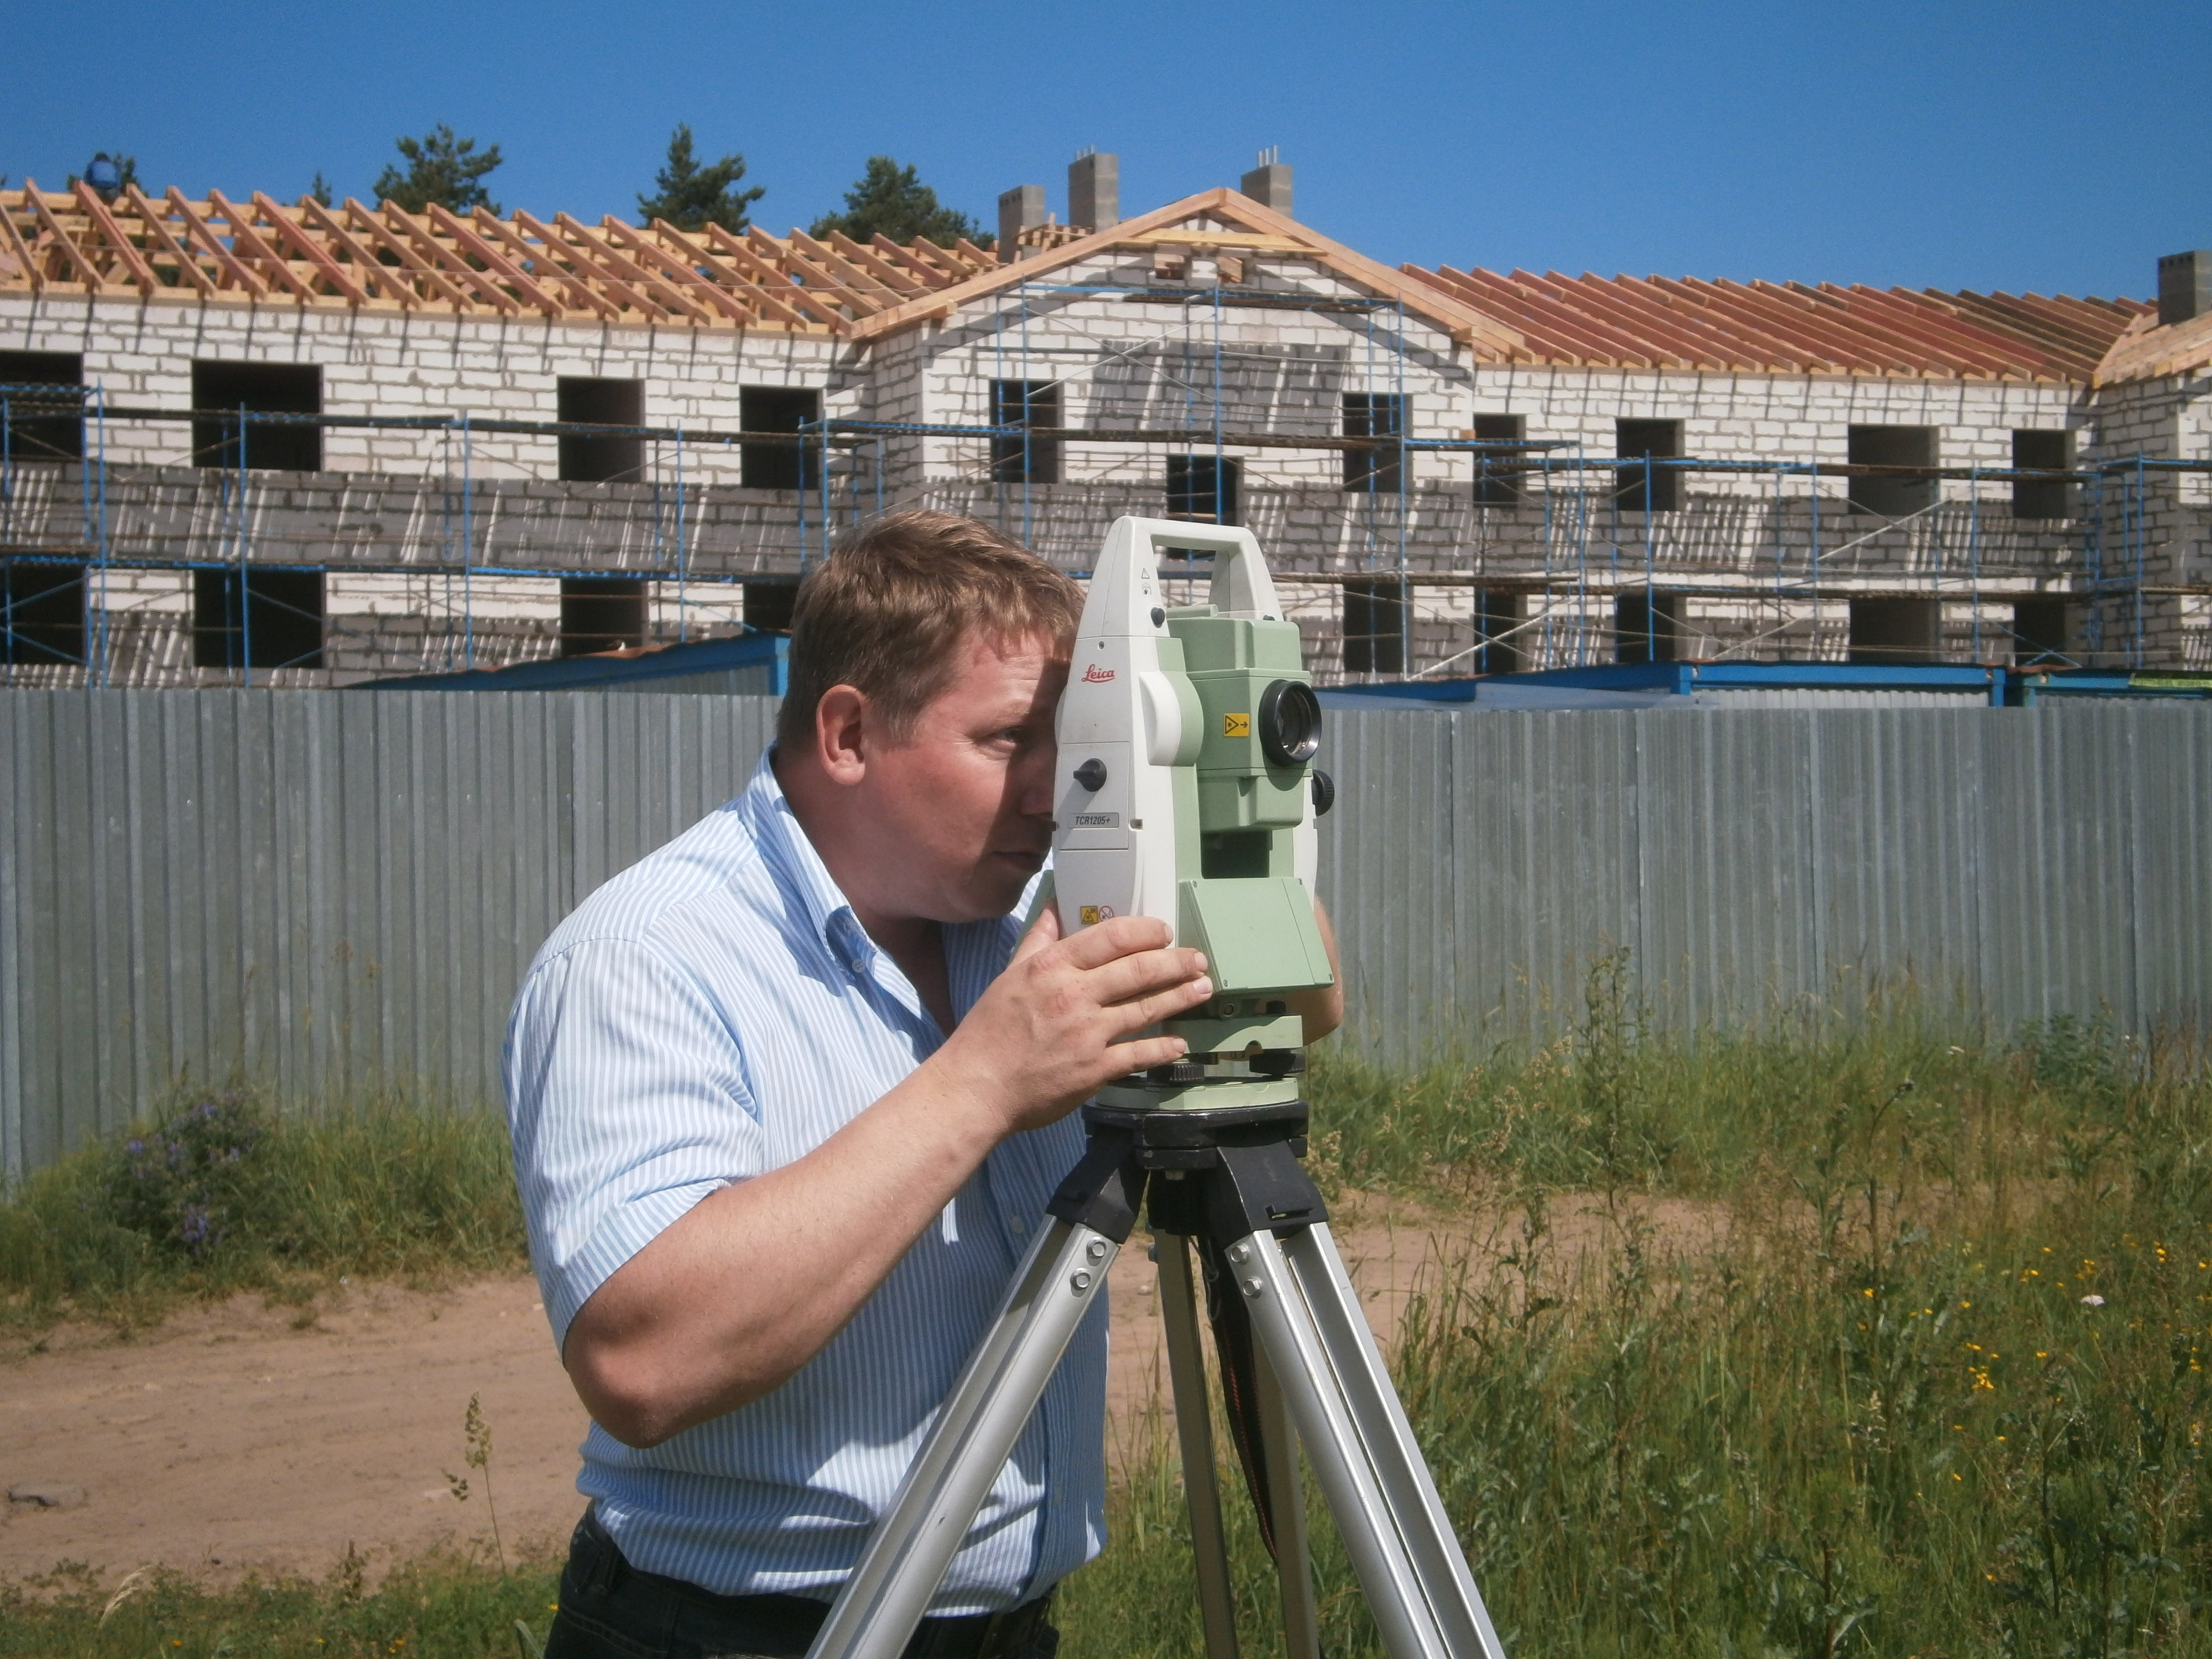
1055	1026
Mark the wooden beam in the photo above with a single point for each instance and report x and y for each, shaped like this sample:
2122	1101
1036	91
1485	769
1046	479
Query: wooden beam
12	248
93	282
493	259
1250	241
157	227
590	268
373	269
411	261
775	281
318	256
449	264
225	261
544	260
242	230
112	233
622	268
759	296
644	247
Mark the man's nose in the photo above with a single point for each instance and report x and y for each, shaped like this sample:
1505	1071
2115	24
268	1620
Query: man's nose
1036	778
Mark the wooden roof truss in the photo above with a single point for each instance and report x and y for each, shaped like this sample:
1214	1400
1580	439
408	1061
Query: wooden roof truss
384	258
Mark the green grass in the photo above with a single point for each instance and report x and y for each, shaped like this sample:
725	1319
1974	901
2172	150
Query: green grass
1859	1407
1847	1400
218	1194
443	1607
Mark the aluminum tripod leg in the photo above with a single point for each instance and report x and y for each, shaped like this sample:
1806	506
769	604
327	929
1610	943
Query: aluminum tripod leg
1201	1484
876	1613
1308	1319
1286	1506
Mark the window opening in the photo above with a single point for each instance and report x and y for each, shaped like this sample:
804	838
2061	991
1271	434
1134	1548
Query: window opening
2043	631
1024	402
1647	626
44	613
1197	488
1378	471
1891	445
1896	633
769	605
601	457
1498	481
1374	625
601	613
1498	613
50	434
778	409
280	625
1657	441
221	389
2044	498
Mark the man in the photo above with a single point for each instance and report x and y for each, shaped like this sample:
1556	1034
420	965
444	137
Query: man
788	1097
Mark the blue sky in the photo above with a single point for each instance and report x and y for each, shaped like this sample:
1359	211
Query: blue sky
2022	145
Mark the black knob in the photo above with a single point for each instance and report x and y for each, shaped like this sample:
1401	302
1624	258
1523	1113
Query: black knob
1159	615
1091	775
1324	788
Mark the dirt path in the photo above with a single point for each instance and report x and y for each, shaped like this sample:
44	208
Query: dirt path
231	1440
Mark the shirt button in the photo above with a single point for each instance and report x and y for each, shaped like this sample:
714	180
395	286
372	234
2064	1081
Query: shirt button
1019	1224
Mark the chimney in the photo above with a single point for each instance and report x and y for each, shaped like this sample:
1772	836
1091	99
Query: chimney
1094	191
1269	184
2185	286
1018	209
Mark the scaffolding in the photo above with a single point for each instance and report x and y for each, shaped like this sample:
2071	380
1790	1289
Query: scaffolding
1583	535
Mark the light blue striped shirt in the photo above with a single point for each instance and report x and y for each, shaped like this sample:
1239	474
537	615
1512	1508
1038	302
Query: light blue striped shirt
716	1011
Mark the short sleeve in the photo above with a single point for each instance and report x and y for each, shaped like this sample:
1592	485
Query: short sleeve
627	1104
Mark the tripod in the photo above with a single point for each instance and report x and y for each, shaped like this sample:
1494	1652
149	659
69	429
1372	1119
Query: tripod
1229	1180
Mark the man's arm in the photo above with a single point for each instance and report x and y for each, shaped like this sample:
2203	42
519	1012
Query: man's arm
1323	1006
751	1282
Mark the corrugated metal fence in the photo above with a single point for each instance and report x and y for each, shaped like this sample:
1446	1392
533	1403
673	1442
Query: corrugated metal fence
332	892
2021	863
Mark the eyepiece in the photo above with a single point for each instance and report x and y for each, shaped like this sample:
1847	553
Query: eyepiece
1290	723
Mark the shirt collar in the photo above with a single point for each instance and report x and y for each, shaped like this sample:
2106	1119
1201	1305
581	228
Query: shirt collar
799	870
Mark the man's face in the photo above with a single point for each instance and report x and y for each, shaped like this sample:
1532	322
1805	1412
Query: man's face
964	805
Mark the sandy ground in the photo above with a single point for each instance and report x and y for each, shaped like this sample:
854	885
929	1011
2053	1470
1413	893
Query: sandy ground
243	1438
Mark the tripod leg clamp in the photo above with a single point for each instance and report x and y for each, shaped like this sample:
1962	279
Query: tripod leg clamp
1105	1190
1259	1188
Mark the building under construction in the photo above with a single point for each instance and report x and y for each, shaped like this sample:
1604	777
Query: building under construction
299	445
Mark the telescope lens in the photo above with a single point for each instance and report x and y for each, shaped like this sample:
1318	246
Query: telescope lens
1290	723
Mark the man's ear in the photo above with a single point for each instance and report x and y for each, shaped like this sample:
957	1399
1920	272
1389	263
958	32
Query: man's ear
841	734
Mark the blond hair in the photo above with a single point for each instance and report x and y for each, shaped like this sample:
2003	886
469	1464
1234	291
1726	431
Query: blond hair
886	612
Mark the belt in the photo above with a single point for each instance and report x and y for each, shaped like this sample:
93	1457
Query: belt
786	1625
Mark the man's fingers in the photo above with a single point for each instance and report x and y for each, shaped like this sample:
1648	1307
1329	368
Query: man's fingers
1141	1011
1127	978
1144	1054
1091	947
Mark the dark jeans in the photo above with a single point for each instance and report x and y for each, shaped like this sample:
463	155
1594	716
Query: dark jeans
610	1610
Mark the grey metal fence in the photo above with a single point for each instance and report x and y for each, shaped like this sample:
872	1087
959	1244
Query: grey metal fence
2019	863
329	892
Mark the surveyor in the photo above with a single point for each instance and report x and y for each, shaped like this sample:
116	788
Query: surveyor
789	1099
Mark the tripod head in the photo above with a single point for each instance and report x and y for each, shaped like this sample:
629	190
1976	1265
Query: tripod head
1187	740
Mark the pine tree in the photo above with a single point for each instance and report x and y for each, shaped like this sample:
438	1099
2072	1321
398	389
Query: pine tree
891	199
693	196
440	168
320	190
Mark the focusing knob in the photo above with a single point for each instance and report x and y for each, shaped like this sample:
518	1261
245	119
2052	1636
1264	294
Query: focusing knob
1159	615
1324	788
1091	775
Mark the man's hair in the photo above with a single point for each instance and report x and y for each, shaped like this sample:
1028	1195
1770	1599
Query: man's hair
886	612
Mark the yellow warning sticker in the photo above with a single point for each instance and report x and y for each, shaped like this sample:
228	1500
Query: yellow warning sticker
1236	725
1089	915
